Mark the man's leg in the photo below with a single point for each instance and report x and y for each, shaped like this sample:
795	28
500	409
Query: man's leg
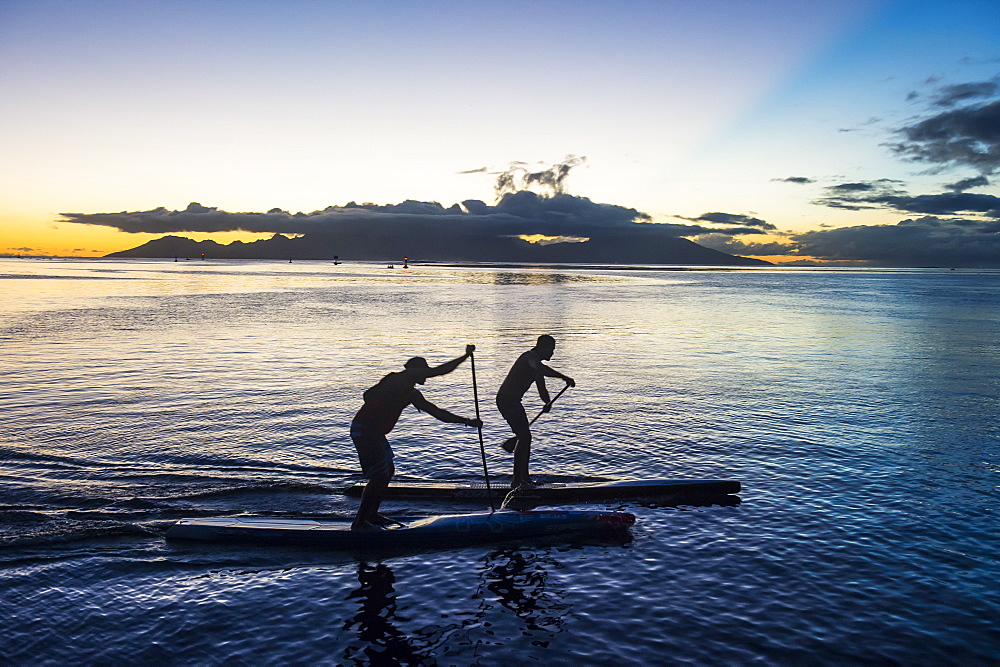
371	498
513	413
376	459
522	452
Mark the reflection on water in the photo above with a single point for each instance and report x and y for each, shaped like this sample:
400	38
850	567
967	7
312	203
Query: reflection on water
857	407
520	581
382	642
517	580
536	278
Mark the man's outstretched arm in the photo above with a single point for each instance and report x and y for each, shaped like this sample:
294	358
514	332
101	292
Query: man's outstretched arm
553	373
422	404
449	366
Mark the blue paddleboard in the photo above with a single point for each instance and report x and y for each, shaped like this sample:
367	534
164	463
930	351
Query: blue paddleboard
445	530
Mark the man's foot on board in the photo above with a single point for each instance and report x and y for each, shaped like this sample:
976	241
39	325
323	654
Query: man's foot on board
382	521
523	485
366	525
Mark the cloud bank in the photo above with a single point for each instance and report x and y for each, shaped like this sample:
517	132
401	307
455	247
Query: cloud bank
517	213
533	209
472	230
885	194
923	241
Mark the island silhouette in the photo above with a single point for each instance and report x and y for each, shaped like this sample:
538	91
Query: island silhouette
608	249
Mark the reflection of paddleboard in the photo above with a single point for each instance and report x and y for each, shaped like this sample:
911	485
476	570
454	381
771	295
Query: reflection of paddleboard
446	530
559	492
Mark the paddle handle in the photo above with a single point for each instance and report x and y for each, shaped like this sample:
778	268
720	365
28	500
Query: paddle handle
565	387
482	445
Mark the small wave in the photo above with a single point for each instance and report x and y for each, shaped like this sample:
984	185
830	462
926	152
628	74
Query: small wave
20	515
34	276
257	487
156	503
60	531
9	454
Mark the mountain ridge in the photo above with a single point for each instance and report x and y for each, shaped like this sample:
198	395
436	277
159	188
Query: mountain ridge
611	248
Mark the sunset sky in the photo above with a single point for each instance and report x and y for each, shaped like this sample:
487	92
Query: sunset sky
838	130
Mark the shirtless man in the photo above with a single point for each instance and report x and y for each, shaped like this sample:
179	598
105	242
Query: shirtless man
382	407
526	370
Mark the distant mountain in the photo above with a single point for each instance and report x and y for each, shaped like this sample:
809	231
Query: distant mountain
610	248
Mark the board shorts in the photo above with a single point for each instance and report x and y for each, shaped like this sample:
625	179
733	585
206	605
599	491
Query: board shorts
374	451
512	410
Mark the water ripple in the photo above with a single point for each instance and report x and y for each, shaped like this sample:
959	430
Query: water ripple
857	408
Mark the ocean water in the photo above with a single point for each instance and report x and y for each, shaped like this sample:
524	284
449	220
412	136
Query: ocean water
857	407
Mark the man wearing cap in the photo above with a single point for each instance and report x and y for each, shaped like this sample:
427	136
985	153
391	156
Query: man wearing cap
527	369
382	407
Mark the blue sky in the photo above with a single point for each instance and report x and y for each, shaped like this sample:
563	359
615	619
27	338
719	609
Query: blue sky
677	109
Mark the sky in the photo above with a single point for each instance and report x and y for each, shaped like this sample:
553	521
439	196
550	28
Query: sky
827	132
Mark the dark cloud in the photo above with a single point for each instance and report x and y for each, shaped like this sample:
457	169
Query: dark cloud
869	186
744	221
951	95
481	170
967	136
798	180
859	195
195	218
950	203
518	177
516	213
884	194
968	183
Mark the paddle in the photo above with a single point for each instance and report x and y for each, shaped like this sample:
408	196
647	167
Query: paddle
509	443
482	447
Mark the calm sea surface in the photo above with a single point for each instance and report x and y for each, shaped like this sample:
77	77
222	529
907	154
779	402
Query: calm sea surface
858	408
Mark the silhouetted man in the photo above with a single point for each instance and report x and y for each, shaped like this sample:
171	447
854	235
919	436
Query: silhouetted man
526	370
382	407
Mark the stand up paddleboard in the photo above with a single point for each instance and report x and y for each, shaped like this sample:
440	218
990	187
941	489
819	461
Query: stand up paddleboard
558	492
436	531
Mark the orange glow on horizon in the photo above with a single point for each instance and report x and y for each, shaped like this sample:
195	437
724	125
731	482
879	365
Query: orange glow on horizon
806	260
69	240
545	240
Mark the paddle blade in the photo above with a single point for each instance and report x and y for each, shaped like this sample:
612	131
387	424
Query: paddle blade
509	444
